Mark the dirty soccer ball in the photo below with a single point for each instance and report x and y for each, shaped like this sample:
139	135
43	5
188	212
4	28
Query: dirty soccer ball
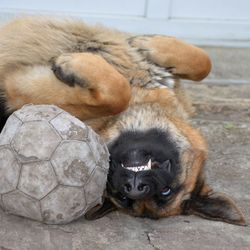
53	168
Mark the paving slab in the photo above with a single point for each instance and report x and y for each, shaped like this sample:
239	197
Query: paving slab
229	64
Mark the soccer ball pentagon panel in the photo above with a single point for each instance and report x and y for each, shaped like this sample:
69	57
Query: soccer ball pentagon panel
53	168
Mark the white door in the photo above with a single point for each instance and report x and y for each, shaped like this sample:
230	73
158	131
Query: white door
220	22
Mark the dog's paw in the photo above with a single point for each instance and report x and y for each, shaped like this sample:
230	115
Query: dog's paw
141	43
66	70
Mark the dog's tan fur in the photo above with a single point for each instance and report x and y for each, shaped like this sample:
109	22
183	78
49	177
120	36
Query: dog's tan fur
160	108
40	39
112	72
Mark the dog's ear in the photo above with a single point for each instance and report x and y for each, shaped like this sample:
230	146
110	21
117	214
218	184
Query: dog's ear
214	206
100	210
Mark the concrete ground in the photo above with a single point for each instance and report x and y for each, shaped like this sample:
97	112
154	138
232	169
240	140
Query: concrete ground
223	114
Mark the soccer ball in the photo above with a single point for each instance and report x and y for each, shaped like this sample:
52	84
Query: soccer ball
53	168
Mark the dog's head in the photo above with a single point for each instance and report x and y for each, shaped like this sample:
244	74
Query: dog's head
141	167
158	173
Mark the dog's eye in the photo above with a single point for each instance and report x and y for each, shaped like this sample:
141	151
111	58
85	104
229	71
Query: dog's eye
166	191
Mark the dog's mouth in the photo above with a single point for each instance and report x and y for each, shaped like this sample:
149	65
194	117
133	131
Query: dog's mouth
141	166
136	166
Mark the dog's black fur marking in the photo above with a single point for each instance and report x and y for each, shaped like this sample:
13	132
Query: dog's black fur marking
136	148
4	114
151	143
70	79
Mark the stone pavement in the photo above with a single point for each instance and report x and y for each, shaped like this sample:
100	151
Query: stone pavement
224	117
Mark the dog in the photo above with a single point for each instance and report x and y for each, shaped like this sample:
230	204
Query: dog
126	88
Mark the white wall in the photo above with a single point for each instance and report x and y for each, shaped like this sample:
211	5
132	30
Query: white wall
216	22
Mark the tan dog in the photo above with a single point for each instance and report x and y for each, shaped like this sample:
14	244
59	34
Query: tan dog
94	73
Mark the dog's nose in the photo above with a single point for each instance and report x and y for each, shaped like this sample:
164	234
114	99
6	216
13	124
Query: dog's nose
136	190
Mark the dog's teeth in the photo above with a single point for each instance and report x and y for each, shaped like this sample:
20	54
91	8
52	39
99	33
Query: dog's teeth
139	168
149	164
